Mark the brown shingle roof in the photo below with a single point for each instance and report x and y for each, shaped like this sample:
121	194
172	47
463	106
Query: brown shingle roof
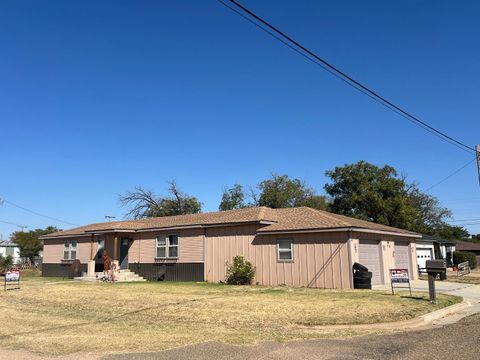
466	246
305	218
290	219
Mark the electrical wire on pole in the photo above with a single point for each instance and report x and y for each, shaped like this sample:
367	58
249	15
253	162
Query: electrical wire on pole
450	175
310	55
5	201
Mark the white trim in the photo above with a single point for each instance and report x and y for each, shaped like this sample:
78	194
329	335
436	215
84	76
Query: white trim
338	230
285	250
167	247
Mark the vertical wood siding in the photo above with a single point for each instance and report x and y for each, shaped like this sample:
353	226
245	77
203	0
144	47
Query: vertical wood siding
320	259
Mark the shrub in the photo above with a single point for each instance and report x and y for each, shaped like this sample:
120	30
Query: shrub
462	256
241	272
5	263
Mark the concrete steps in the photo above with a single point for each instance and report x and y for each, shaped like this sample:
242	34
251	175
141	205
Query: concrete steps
122	275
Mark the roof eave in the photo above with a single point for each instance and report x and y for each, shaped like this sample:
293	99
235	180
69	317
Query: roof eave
337	229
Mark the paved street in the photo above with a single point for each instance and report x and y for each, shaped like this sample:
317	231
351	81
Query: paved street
456	336
460	340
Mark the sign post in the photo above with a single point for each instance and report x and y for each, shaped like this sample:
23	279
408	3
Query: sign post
400	276
463	268
12	280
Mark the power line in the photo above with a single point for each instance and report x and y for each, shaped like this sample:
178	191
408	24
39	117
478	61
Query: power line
3	200
451	175
14	224
287	40
462	220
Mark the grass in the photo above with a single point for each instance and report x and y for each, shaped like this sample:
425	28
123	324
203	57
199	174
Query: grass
465	279
51	316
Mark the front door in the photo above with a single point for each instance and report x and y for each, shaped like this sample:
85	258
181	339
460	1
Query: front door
124	245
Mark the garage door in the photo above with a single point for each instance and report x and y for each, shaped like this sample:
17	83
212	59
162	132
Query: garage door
422	256
402	257
369	255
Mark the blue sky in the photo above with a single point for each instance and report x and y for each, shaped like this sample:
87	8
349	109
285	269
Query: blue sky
99	96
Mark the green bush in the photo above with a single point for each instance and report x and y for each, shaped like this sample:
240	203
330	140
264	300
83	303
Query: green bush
5	263
462	256
241	272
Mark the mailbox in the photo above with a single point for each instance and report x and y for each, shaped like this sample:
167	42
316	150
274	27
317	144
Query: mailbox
436	266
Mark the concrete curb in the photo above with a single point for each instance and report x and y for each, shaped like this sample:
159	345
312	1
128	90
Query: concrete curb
400	325
449	310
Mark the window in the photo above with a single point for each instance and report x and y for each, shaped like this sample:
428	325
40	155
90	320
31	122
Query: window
70	250
100	248
9	251
167	246
285	250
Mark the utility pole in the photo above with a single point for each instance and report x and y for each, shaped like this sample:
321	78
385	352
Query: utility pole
477	148
22	227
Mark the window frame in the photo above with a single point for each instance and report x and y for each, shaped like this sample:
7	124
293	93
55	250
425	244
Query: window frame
69	249
291	251
167	246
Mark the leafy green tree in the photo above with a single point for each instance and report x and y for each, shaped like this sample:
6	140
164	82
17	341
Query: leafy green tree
379	194
233	198
283	192
368	192
144	204
29	242
450	232
5	263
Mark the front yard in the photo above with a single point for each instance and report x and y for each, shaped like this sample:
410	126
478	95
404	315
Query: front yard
61	317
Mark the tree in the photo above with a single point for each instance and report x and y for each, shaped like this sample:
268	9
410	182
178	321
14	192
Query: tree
430	215
233	198
144	203
5	263
29	242
282	192
368	192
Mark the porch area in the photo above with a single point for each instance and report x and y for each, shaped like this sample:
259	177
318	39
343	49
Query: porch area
117	245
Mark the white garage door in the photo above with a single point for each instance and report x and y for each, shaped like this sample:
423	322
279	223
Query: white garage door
422	256
369	255
402	257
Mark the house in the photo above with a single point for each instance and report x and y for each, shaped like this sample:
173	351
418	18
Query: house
8	248
469	247
433	248
294	246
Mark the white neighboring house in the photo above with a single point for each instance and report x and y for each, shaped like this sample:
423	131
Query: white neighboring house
433	248
9	248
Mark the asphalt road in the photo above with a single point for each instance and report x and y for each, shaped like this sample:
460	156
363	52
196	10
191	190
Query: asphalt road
457	341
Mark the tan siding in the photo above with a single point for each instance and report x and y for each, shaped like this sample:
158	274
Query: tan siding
190	243
387	253
53	249
320	260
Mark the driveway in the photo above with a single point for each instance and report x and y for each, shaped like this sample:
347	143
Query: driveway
469	292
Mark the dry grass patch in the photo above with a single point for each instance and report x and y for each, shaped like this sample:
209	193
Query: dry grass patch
473	278
67	317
